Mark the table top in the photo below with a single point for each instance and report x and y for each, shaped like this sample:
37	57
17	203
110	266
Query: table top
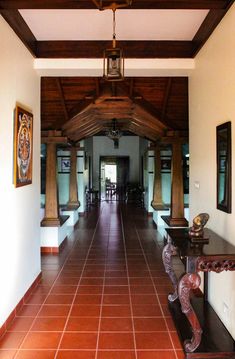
216	246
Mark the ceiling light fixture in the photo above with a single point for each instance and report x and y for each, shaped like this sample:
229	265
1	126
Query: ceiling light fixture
113	59
113	67
114	133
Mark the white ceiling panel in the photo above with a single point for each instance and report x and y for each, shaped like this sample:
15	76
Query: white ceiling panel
97	25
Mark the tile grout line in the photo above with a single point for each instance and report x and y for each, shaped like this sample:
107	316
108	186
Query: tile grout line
52	286
129	289
102	299
156	293
92	250
95	331
75	294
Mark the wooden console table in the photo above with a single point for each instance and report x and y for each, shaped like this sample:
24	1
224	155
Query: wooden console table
202	333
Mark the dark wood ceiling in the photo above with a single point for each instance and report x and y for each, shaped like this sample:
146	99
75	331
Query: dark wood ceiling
82	107
132	49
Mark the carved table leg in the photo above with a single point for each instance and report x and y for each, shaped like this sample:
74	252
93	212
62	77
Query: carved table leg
168	251
190	281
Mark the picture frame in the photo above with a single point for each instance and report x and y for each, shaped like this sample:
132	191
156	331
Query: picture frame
65	164
166	164
224	167
23	146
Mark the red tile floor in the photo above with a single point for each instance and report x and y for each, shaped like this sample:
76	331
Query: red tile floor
103	297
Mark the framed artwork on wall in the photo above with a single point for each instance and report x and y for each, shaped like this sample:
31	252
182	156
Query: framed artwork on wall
166	164
65	164
224	167
23	146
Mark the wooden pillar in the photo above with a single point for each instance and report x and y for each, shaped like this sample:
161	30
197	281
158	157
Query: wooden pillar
51	218
176	217
157	202
73	202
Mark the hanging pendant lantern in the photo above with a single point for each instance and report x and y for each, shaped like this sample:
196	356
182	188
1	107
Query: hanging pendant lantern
113	58
113	64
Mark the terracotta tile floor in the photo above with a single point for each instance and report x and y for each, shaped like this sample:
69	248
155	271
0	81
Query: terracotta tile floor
103	297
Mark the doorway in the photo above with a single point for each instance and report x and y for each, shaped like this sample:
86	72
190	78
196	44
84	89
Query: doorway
114	177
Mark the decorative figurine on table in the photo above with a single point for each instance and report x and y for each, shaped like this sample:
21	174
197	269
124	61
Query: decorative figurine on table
199	222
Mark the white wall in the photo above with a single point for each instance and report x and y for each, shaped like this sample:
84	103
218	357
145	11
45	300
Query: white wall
20	207
128	146
212	99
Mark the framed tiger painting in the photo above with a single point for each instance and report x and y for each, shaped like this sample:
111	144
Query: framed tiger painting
23	147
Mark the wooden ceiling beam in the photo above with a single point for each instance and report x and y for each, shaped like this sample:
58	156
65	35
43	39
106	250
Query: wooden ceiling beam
79	118
111	104
105	99
177	133
70	126
83	104
109	116
132	49
76	126
57	139
91	132
51	133
123	127
142	132
104	109
131	88
19	26
148	118
80	107
166	100
63	104
80	129
143	123
175	139
137	4
97	87
113	112
147	106
212	19
121	124
86	128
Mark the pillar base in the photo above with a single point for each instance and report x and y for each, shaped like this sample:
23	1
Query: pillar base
73	215
159	206
175	222
54	222
53	236
71	206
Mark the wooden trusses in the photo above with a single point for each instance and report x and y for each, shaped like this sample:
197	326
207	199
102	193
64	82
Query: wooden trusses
83	107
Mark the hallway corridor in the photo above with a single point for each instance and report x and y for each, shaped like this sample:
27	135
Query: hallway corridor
103	297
